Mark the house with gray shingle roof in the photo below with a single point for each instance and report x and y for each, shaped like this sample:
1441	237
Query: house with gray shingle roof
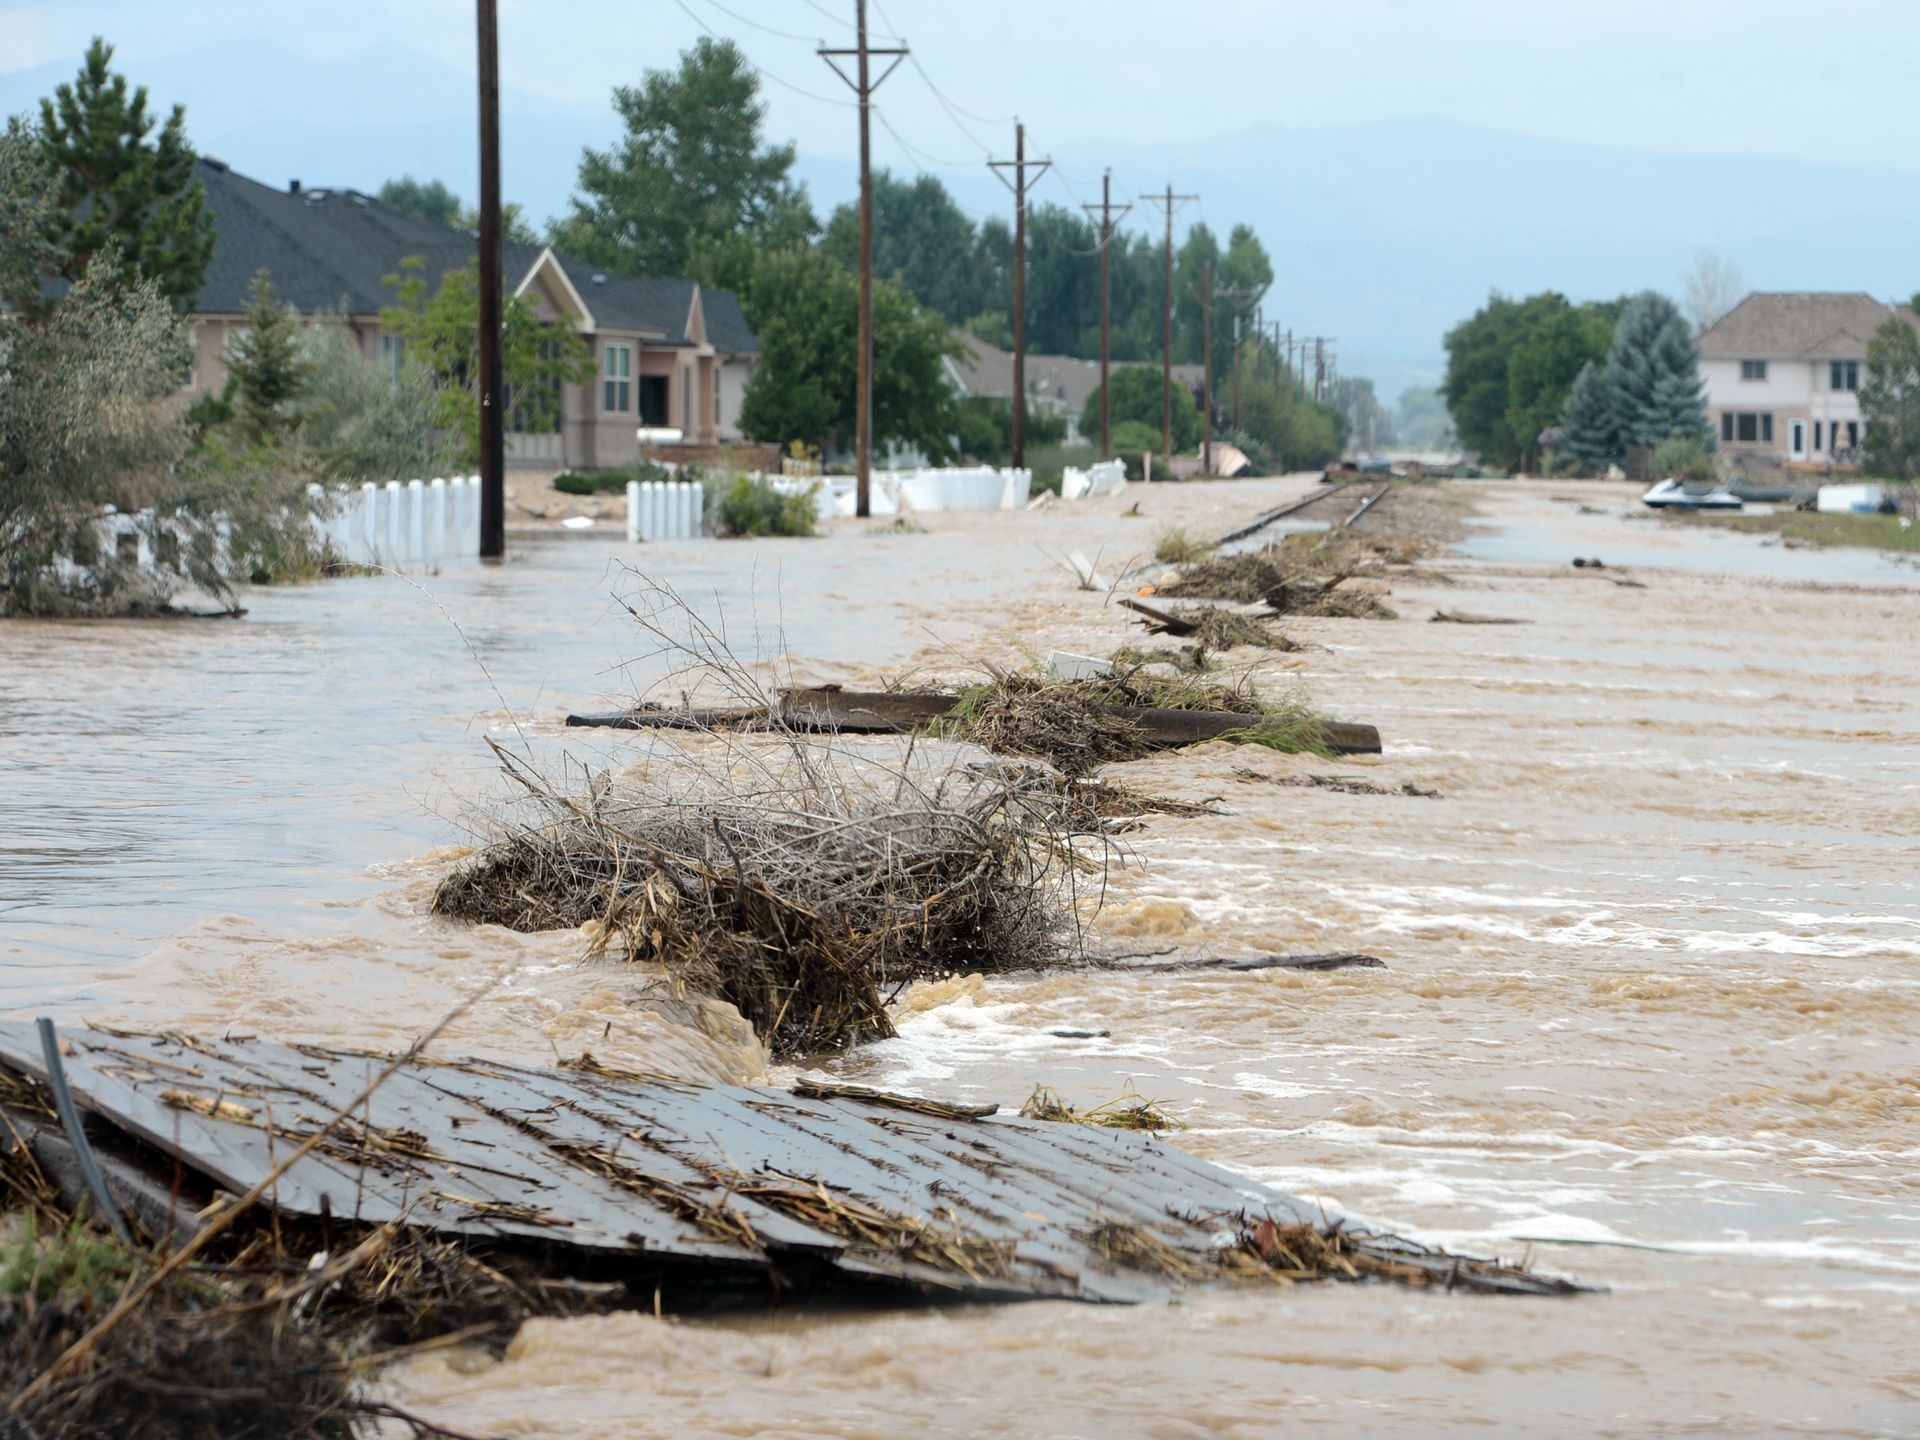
668	354
1783	372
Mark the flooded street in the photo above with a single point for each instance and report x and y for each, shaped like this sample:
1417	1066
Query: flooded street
1651	1011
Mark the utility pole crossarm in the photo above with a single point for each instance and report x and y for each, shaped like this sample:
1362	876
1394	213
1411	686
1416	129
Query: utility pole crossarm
1019	185
1169	202
1107	217
862	83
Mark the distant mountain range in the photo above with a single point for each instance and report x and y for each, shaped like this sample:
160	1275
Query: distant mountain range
1383	233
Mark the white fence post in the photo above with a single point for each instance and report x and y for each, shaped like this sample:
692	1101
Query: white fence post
437	521
633	512
416	520
394	549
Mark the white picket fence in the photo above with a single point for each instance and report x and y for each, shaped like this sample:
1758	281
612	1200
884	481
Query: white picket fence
665	510
418	525
1109	477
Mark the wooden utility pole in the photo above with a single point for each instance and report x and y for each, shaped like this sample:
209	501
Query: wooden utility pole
1241	296
864	86
1206	351
1168	201
1106	305
493	460
1018	185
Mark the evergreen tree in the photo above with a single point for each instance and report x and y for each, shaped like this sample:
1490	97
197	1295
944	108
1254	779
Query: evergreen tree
265	365
121	186
1890	401
1653	383
1591	439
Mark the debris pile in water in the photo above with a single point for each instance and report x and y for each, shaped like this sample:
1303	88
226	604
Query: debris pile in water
1081	724
1302	574
802	883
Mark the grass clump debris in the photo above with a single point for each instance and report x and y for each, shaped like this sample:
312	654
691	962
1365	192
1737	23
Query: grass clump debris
1124	1112
1177	545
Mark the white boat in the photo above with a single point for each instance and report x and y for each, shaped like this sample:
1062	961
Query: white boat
1674	495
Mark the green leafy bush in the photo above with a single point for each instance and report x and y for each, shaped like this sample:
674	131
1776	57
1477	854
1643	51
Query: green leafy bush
1683	457
608	482
753	507
1130	439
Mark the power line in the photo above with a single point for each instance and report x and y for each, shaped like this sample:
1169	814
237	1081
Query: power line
938	94
841	21
764	74
915	151
748	20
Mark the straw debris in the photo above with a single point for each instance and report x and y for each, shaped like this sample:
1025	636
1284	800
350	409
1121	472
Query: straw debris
1124	1112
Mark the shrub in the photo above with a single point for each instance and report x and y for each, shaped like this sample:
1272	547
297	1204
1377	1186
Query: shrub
609	482
1130	439
753	507
1683	457
1049	462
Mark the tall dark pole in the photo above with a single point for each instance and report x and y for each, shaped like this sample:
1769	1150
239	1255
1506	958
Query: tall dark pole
493	465
1166	349
1206	350
1168	200
1106	306
863	424
864	86
1019	187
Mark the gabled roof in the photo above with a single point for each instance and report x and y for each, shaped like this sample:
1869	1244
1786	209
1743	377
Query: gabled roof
987	370
333	249
1794	325
727	328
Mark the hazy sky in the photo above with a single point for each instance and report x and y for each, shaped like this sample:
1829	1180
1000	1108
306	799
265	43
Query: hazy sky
1764	77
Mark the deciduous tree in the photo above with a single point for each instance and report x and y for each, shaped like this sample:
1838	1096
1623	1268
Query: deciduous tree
1136	396
689	169
440	329
804	307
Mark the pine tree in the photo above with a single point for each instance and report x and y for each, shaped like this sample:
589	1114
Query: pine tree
119	186
1590	441
266	366
1653	383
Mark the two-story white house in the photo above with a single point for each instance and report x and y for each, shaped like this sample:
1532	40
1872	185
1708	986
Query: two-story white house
1783	373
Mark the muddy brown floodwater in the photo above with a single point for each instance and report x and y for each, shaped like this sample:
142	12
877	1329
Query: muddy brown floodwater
1653	1011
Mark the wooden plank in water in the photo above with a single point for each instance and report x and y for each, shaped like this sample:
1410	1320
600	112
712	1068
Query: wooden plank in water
733	1177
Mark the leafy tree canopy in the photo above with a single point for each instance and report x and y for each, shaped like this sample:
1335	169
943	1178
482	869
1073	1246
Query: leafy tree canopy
804	306
440	329
121	185
925	240
1137	396
1511	366
1890	401
422	199
689	169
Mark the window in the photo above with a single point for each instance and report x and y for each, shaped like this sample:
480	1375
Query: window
617	386
1747	425
1753	369
686	401
1726	425
393	353
1766	429
1816	434
1853	434
1844	375
716	400
653	400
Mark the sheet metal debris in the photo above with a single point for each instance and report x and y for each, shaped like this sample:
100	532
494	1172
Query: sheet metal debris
619	1164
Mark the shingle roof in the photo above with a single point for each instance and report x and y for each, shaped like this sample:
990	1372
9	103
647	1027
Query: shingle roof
727	328
332	249
988	370
1799	324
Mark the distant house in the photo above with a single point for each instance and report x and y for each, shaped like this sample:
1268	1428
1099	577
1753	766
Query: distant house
1783	374
1056	384
666	352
